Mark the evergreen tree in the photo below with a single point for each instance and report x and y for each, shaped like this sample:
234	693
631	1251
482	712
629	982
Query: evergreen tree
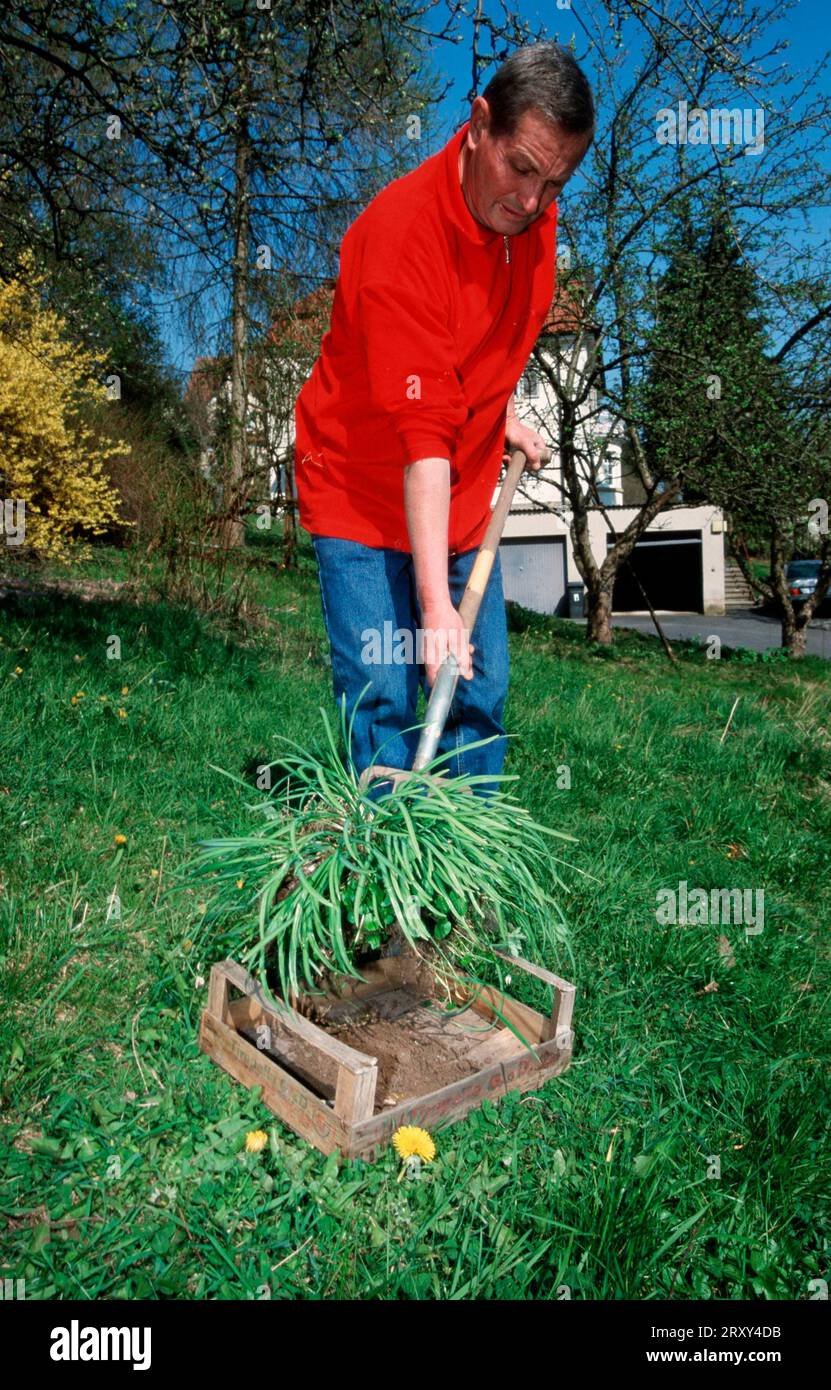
713	406
721	409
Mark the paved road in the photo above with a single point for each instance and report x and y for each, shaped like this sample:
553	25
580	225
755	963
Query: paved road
741	627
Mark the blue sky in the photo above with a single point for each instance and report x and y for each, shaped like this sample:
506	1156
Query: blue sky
807	30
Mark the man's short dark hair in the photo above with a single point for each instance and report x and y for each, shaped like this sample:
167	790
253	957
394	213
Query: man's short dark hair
542	77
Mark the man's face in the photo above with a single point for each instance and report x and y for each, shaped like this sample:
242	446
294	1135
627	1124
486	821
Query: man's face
510	180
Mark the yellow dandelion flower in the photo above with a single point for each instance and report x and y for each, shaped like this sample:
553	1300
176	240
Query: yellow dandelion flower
18	670
410	1141
125	690
154	873
255	1141
73	700
102	697
120	839
240	882
122	714
80	694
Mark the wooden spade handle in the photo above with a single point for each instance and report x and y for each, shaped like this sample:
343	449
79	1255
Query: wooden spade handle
444	686
481	572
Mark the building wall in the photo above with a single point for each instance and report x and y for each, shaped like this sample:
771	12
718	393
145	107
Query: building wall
707	520
595	434
539	499
539	513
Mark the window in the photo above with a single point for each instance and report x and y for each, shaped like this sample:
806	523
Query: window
529	384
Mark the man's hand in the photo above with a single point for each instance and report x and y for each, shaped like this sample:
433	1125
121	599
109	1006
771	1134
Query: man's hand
443	633
519	436
427	504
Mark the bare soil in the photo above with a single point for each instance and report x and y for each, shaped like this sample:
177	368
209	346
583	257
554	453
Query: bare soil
416	1053
418	1048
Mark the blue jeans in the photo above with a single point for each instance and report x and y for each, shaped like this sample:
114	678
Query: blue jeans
369	603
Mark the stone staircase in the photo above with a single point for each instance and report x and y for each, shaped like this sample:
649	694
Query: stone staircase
737	591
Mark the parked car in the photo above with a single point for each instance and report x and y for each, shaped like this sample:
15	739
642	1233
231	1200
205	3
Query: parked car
801	578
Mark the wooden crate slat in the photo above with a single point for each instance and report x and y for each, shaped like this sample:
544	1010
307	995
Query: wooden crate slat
315	1037
531	969
303	1111
564	993
355	1094
534	1027
305	1064
454	1101
501	1045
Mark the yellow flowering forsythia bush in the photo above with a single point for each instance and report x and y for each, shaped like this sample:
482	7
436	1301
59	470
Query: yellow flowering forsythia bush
50	458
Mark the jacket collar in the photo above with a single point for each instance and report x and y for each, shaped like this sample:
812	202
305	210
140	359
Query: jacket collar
458	209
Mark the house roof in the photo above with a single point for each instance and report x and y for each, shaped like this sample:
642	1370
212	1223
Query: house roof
304	326
568	312
301	329
308	322
206	377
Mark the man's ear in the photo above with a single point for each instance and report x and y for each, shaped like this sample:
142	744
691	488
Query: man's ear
480	117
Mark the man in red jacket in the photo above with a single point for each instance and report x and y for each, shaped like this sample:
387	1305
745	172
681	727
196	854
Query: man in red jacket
445	281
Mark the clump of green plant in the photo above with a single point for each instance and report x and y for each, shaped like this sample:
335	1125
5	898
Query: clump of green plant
332	871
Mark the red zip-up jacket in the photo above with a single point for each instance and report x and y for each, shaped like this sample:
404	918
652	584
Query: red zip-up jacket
433	321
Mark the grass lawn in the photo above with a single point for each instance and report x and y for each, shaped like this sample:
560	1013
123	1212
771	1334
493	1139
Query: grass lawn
681	1154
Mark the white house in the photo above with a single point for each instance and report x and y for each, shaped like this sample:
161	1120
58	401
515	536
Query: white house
679	560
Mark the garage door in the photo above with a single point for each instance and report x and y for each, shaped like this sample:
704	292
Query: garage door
669	568
534	573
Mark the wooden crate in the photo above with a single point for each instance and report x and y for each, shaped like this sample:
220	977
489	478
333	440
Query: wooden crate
339	1097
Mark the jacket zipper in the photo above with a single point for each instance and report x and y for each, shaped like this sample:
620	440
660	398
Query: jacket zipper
507	250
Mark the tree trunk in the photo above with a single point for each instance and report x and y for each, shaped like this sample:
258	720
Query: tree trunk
289	519
794	633
599	579
599	616
794	629
234	530
598	591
